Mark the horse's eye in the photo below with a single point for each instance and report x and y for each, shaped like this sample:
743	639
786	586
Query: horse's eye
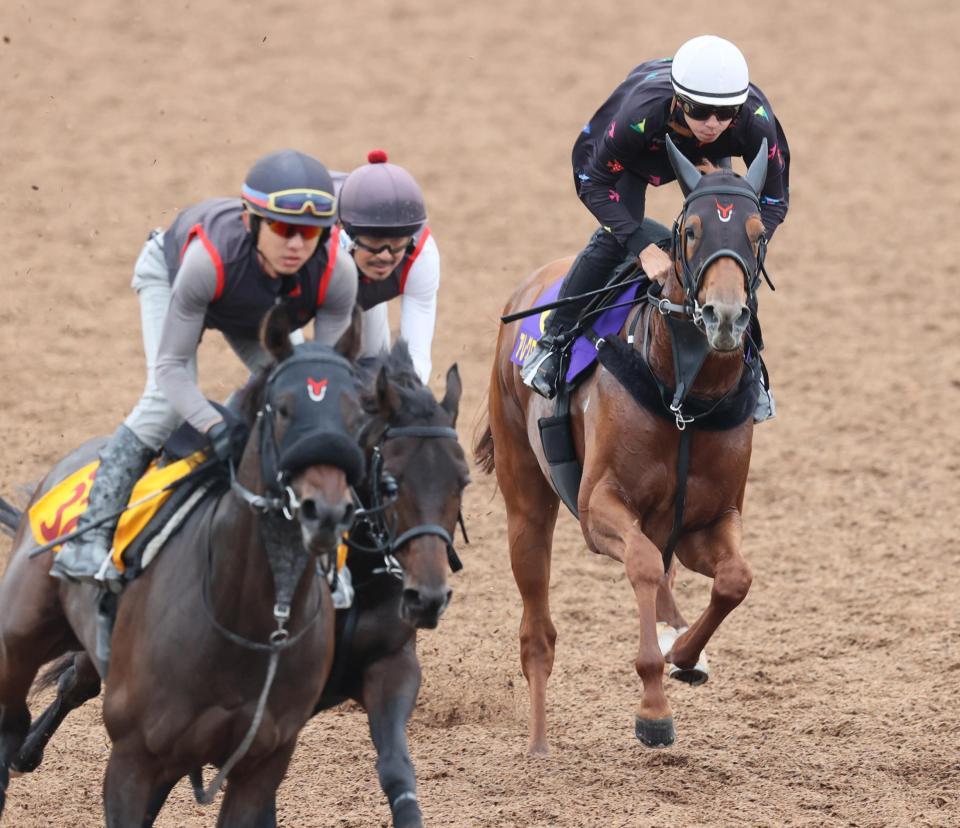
283	410
691	235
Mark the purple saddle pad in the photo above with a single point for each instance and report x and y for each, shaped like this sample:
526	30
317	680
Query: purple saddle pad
583	353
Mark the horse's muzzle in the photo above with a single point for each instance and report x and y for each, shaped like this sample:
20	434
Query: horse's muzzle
423	607
323	525
724	324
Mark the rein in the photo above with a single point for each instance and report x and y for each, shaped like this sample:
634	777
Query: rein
287	560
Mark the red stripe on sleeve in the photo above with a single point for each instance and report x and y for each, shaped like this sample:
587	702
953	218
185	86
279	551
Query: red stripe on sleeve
197	232
413	257
331	261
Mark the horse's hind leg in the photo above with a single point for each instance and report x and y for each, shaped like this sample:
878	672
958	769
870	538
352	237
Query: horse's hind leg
531	516
32	631
250	799
714	552
77	684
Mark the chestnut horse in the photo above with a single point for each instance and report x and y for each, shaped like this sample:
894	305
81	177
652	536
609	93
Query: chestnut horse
222	645
637	498
401	550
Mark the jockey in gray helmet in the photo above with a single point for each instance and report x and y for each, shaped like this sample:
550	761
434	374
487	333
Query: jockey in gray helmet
222	263
383	220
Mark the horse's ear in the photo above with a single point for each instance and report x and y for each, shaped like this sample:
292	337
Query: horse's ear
348	345
687	174
388	397
451	399
275	332
757	173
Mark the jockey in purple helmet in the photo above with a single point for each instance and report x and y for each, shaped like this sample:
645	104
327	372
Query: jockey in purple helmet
222	264
703	99
383	228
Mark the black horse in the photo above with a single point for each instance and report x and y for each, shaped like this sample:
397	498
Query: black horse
401	550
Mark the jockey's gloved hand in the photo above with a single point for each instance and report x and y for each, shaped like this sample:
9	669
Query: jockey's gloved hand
228	437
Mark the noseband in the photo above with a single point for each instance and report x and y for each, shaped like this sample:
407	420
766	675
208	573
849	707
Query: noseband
384	491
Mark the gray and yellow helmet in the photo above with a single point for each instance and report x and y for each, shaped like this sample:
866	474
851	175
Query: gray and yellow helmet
381	199
293	187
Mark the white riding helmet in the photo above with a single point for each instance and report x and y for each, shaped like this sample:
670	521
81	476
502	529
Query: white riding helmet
710	70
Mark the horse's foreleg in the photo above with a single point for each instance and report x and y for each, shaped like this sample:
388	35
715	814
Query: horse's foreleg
129	786
79	683
614	530
390	687
250	800
714	552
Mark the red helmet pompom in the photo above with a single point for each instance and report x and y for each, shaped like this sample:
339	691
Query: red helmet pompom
377	156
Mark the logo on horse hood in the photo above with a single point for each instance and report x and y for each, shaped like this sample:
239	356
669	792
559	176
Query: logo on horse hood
317	389
725	211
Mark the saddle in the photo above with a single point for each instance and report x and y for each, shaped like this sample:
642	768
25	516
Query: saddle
631	369
171	487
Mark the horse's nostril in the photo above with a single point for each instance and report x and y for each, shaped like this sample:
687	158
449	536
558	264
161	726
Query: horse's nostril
308	510
709	315
744	319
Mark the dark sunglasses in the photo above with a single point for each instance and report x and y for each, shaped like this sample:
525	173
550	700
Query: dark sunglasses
702	112
288	230
383	248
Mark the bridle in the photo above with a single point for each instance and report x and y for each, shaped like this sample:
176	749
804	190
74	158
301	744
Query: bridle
379	526
692	276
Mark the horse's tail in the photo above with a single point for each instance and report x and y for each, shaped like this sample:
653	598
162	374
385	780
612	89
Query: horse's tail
483	444
49	677
10	517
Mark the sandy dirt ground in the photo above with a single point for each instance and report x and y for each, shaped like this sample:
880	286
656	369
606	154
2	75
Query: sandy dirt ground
835	694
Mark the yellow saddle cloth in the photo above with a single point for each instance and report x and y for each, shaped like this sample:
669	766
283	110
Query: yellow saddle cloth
56	513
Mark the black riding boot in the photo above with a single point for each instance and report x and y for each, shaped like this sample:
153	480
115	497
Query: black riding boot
122	461
590	271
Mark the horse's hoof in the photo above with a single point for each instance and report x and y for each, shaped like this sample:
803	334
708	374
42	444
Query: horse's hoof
26	763
407	815
655	733
694	676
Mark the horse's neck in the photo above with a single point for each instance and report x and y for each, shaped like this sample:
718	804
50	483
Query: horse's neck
720	372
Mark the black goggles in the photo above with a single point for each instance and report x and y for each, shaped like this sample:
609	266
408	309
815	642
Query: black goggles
702	112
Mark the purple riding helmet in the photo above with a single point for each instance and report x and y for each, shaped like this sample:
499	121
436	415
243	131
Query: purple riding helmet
381	199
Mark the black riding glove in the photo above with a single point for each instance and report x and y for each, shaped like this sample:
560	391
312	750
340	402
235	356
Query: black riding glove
228	437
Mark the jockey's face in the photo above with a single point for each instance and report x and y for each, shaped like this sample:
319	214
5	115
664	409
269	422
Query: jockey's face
706	132
281	256
377	257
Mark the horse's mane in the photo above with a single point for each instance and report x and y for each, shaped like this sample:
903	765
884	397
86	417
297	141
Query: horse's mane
250	397
418	401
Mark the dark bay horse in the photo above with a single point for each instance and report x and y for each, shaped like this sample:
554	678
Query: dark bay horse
401	552
631	490
221	646
402	548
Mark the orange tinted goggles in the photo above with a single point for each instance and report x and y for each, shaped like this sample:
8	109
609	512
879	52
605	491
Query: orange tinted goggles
288	230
